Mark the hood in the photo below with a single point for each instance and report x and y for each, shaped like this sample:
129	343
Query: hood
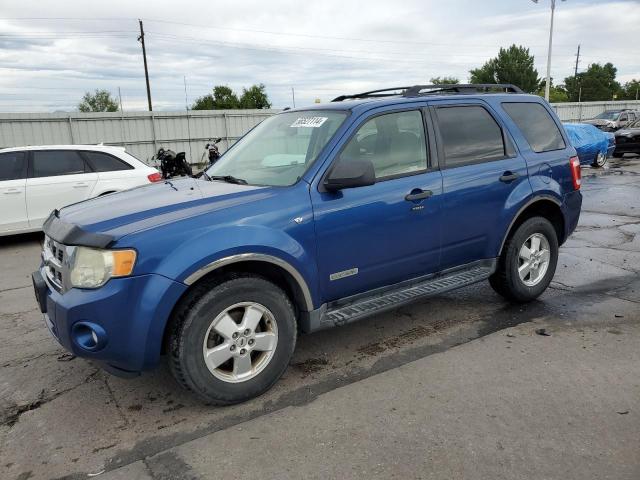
599	122
151	205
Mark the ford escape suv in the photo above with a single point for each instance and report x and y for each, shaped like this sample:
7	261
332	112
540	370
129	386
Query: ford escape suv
317	217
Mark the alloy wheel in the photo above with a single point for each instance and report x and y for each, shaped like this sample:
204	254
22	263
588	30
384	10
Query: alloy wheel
533	259
240	342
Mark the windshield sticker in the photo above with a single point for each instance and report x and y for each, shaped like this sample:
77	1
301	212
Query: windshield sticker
309	122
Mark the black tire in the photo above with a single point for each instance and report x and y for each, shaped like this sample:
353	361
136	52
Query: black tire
600	161
506	281
193	319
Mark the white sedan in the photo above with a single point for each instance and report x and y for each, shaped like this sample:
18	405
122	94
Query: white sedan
36	180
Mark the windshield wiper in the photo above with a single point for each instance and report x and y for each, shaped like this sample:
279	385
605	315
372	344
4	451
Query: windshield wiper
229	179
206	176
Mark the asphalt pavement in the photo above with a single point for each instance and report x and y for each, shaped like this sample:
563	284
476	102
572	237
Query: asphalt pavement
464	385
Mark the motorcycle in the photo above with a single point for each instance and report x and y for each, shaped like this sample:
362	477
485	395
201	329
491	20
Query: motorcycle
212	149
173	164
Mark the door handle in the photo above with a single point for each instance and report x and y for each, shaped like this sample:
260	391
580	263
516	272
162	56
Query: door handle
418	195
509	177
80	185
12	192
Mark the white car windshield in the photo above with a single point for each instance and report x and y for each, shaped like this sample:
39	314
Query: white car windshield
279	150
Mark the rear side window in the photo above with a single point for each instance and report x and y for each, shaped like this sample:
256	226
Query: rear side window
469	135
12	166
102	162
537	126
394	143
51	163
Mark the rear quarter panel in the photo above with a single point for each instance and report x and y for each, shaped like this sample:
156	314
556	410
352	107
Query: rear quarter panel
121	180
549	172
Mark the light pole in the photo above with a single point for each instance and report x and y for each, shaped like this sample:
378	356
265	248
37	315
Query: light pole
548	82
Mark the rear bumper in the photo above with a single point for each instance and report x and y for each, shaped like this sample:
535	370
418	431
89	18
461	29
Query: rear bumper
119	326
571	207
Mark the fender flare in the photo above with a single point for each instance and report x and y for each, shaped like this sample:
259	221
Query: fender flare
526	205
260	257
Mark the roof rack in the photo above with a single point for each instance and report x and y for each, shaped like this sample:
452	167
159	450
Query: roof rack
385	92
421	90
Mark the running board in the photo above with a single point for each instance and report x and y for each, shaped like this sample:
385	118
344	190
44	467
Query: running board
357	307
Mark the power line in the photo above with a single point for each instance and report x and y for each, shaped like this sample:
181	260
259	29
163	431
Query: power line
315	49
269	32
324	37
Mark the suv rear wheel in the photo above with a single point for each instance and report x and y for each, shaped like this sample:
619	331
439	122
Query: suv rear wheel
232	342
528	261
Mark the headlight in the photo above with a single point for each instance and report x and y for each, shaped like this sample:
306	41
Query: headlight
92	268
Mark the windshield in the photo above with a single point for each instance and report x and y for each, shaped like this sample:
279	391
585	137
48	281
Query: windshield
609	115
635	124
280	149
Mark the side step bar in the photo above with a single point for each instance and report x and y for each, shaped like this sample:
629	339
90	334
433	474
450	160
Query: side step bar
357	307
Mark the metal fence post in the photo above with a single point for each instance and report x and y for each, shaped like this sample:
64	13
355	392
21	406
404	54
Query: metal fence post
71	130
153	133
226	131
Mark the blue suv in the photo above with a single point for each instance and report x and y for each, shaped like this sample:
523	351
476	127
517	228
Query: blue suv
317	217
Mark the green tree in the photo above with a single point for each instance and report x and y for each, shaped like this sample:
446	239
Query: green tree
444	81
203	103
630	91
512	65
223	98
99	101
557	93
255	97
596	84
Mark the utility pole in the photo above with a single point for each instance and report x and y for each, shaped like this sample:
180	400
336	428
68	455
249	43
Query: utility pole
293	96
575	73
548	83
144	57
120	97
186	107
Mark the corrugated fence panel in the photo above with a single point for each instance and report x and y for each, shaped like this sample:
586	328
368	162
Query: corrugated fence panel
575	112
142	133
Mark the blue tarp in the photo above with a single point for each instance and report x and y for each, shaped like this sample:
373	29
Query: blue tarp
589	141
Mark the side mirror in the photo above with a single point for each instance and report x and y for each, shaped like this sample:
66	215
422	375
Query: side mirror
350	174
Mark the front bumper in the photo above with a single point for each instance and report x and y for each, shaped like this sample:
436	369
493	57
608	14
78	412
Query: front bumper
627	147
119	325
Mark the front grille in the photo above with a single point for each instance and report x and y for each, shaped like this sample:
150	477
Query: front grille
54	257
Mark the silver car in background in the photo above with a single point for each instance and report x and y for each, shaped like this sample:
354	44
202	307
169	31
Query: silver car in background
612	120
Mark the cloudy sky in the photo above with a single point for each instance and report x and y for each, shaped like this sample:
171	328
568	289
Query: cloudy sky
52	52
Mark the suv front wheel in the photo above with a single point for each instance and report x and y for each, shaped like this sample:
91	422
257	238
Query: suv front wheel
528	261
232	341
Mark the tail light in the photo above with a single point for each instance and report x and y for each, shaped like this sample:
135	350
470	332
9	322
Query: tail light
576	174
154	177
